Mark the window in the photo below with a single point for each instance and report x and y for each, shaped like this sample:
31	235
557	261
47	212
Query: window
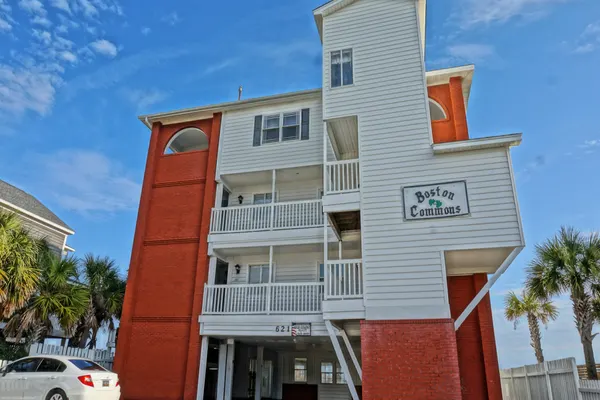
436	111
51	365
258	274
321	272
86	365
262	198
341	68
327	372
26	365
291	126
339	374
187	139
300	369
270	133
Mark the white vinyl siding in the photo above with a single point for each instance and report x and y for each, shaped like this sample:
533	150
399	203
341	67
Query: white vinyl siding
285	191
237	153
403	265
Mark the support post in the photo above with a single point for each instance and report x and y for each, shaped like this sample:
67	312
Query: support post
325	259
269	288
202	371
273	178
339	249
229	369
486	288
351	352
340	356
212	270
576	377
221	371
258	378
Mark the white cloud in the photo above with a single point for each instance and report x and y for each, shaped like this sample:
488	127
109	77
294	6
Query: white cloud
104	47
62	29
142	99
485	12
87	8
5	25
68	56
43	36
27	89
61	5
211	69
172	18
32	6
471	52
43	21
87	181
146	31
589	40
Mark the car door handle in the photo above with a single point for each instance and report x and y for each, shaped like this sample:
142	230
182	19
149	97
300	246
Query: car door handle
53	377
22	379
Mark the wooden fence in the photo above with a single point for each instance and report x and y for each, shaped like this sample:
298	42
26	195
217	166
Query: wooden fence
551	380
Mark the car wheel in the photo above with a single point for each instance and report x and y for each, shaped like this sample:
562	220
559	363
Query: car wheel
57	394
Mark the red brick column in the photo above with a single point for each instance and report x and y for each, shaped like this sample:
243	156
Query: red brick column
488	341
193	358
409	359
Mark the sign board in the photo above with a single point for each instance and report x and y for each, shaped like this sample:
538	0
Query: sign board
439	200
301	329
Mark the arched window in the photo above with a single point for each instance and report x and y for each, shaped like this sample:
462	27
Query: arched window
436	111
187	139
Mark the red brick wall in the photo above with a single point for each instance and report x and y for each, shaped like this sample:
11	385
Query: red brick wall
477	356
169	264
409	359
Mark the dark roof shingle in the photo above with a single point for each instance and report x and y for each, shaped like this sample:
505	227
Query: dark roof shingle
24	200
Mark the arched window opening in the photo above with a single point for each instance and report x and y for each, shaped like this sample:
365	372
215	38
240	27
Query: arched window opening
188	139
436	111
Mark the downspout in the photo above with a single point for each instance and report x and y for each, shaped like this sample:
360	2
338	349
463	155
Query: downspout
486	288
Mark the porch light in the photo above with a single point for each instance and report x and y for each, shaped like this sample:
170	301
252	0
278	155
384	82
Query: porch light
240	198
237	266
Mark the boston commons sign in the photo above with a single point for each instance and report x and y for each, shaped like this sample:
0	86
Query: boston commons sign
436	201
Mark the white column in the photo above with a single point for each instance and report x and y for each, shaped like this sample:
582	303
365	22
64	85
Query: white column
219	195
229	369
269	288
273	178
212	270
259	366
325	258
222	371
339	249
202	371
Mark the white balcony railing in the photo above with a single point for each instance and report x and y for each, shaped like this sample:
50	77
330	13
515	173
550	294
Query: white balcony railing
343	280
273	298
298	214
342	176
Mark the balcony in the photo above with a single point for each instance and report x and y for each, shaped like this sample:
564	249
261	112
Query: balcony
264	217
343	281
342	186
263	299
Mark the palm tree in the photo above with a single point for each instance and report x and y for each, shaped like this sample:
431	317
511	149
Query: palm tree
569	263
19	256
536	310
58	297
105	302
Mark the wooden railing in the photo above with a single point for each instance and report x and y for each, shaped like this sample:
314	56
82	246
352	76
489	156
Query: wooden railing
342	176
343	280
290	215
272	298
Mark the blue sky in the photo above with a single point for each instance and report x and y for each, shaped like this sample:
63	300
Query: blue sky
74	74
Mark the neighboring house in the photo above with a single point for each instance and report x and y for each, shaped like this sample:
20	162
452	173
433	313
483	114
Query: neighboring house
328	243
36	217
41	224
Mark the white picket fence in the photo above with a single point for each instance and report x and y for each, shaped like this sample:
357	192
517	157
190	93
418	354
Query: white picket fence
551	380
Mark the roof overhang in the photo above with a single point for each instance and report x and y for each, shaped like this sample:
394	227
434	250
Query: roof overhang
442	77
205	112
336	5
36	218
478	144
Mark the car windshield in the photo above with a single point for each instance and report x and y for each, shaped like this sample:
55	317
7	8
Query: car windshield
86	365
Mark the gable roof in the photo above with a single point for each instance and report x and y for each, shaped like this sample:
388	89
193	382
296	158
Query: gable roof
21	200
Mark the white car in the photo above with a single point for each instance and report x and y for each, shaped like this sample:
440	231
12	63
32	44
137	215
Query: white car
47	377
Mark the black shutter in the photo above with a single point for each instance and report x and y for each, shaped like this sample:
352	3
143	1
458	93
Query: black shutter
305	124
257	130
